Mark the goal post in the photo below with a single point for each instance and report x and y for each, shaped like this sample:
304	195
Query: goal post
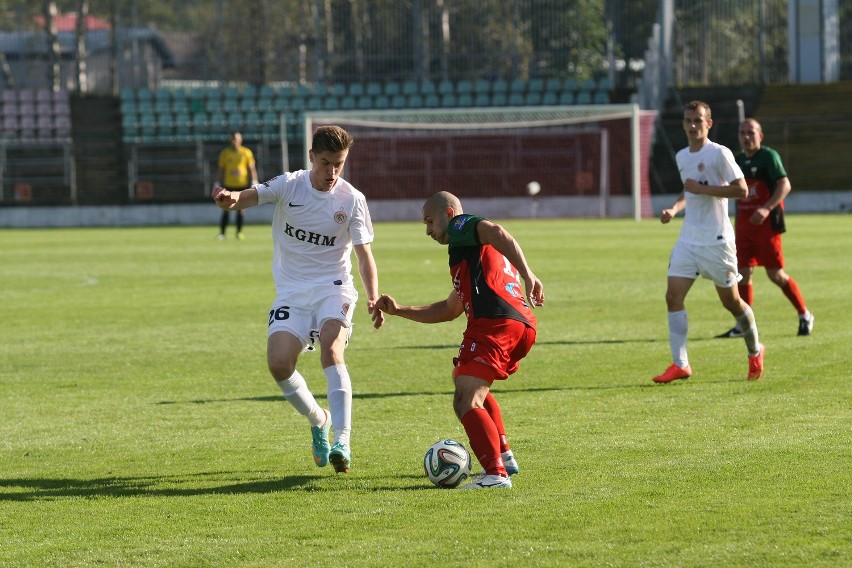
588	160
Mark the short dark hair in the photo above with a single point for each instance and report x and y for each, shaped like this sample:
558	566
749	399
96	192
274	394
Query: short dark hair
695	105
331	139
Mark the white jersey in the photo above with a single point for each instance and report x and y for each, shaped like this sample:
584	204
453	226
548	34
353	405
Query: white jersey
706	219
314	231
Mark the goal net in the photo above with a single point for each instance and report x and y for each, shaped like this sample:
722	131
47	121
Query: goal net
586	160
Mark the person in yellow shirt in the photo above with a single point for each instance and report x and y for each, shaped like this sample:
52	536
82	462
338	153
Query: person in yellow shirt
236	164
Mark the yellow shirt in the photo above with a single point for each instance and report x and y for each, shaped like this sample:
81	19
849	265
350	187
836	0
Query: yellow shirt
235	163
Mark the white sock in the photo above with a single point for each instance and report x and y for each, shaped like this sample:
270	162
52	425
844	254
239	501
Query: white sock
297	393
746	322
339	402
678	327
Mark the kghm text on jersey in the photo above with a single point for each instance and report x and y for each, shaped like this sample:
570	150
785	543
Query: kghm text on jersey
309	236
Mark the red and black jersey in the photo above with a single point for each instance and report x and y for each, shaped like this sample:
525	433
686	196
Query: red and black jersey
487	283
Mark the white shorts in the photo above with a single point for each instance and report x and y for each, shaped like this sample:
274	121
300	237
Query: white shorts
716	262
303	312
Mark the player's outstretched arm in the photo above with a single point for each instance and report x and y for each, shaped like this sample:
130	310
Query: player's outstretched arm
234	200
444	310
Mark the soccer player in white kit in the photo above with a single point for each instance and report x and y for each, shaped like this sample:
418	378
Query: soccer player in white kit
320	218
706	245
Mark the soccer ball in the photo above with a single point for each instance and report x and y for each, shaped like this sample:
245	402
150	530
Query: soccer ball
447	463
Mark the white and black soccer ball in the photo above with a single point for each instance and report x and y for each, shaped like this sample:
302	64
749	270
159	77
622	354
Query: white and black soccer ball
447	463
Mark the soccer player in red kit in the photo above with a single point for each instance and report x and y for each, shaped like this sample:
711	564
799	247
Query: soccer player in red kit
760	223
496	289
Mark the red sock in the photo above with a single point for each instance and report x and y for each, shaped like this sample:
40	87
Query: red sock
484	440
791	290
746	293
493	410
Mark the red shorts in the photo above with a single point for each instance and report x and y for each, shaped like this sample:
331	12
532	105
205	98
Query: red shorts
759	248
493	351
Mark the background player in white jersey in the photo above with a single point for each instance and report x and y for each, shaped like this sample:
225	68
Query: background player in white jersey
706	244
319	219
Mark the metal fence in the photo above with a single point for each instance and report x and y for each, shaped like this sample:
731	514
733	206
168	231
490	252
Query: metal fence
135	43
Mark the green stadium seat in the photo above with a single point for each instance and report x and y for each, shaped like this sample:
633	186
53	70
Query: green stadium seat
553	85
381	102
313	103
588	85
601	97
347	103
448	100
604	84
364	101
398	101
533	98
499	99
338	89
431	100
570	85
482	100
464	86
518	86
373	89
144	94
584	98
428	88
230	105
445	87
482	86
549	98
266	92
414	101
499	86
355	89
535	86
516	99
465	100
566	98
392	88
410	88
331	102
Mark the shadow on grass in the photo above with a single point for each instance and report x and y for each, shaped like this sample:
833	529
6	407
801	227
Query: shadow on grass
176	486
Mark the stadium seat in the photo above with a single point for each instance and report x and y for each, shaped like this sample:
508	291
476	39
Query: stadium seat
464	100
364	102
62	126
347	103
355	89
415	101
428	88
313	103
448	100
588	85
518	86
553	85
230	105
319	90
398	101
392	88
482	86
499	99
410	88
570	85
584	98
566	98
482	100
464	86
373	89
604	84
431	100
499	86
338	89
533	98
535	86
331	102
381	102
516	99
601	97
549	98
445	87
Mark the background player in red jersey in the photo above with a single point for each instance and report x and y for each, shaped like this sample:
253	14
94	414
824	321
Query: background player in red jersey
495	287
760	223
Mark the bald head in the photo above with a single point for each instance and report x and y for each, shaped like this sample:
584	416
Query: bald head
441	201
750	136
437	212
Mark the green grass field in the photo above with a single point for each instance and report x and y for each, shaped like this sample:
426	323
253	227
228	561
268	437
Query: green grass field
140	426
